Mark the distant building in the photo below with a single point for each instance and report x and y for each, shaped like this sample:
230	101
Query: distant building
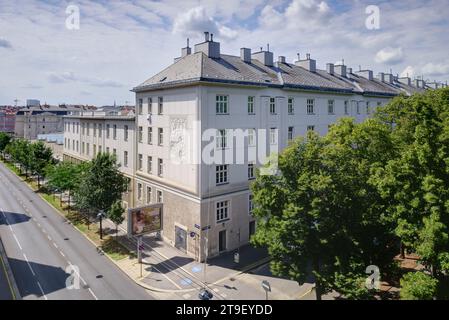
7	121
33	103
30	122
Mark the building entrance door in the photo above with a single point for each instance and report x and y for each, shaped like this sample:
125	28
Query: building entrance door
180	238
222	241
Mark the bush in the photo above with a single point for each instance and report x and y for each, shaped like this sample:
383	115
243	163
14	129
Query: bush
418	286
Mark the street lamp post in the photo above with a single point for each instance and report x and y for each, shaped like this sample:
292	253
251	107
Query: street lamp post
100	216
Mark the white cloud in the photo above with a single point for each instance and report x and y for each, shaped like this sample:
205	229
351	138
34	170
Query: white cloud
435	69
390	56
408	72
69	76
196	21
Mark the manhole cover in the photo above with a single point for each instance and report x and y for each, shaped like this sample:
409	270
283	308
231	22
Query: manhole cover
99	276
66	239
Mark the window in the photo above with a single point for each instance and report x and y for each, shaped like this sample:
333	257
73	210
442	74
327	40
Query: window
100	128
87	149
310	106
160	105
221	139
126	132
77	146
77	127
221	174
358	107
290	106
150	105
107	149
310	128
272	106
140	135
250	171
95	129
330	106
125	158
250	204
83	128
290	133
82	147
221	104
251	105
222	210
149	193
379	104
160	135
346	107
140	106
160	167
107	131
368	110
114	152
159	199
140	162
95	150
88	128
99	149
149	164
273	136
150	135
139	191
114	132
251	137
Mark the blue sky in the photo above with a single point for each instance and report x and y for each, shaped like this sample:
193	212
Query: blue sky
122	43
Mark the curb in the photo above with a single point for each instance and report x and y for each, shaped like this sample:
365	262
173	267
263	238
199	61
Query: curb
9	275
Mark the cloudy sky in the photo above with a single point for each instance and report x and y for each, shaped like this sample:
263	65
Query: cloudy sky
119	44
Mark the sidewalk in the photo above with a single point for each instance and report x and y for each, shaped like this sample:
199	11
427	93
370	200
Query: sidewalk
8	286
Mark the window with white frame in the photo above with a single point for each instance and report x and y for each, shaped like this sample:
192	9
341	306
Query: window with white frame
330	107
126	133
114	132
87	149
358	107
251	171
346	107
150	135
140	162
250	204
310	106
290	133
368	108
149	164
139	191
160	167
221	104
160	105
140	134
160	139
251	137
95	129
273	136
100	129
140	106
149	194
251	105
108	127
222	211
221	139
290	106
150	105
310	128
272	106
88	129
221	174
125	158
159	198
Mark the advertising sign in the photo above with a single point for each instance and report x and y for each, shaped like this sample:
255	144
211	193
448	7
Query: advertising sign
145	220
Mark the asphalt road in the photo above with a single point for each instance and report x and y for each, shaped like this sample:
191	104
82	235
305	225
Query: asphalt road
6	291
49	257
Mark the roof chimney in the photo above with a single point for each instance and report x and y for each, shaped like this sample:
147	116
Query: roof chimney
330	68
389	78
340	70
187	50
405	80
245	55
209	48
349	71
264	57
367	74
308	64
281	59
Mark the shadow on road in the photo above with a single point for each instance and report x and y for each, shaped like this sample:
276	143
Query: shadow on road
14	218
27	284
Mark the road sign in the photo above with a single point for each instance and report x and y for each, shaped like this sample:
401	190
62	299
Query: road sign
192	234
236	257
266	286
197	226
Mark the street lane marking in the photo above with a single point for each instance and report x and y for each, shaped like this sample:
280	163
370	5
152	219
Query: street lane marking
62	253
29	265
49	238
92	293
56	246
40	287
17	240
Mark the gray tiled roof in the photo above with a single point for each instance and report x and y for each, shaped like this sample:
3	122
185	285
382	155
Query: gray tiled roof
198	67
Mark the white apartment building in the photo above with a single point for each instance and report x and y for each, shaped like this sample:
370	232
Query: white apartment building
88	133
185	156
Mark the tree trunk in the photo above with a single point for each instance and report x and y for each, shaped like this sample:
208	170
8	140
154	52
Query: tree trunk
116	231
69	200
402	250
318	288
38	182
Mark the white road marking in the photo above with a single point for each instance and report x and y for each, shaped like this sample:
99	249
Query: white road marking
17	240
29	265
40	287
56	246
92	293
62	253
49	238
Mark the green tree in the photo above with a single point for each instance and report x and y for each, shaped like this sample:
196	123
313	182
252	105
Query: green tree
321	212
416	182
42	157
101	185
5	140
115	214
418	286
